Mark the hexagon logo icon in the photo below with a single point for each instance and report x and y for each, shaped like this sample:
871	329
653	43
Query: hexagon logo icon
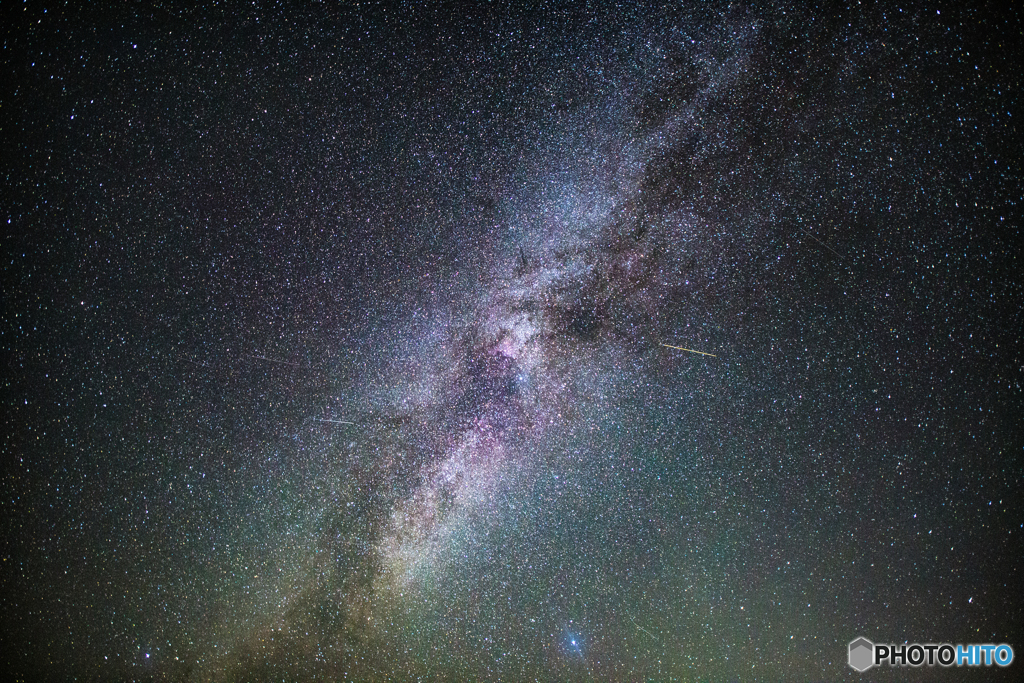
862	654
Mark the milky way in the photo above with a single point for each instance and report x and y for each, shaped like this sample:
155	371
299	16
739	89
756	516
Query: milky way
404	343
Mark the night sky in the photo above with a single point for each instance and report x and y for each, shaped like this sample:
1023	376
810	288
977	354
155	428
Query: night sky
448	342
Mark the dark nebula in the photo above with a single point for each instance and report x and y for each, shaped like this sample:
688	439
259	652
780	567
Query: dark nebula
448	342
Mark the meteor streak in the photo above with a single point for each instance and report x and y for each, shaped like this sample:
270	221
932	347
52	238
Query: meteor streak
638	625
680	348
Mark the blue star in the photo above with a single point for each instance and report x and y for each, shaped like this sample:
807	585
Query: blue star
572	643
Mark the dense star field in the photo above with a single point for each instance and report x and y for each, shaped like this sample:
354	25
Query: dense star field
447	343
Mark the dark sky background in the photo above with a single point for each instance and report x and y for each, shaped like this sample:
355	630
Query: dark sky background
338	342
